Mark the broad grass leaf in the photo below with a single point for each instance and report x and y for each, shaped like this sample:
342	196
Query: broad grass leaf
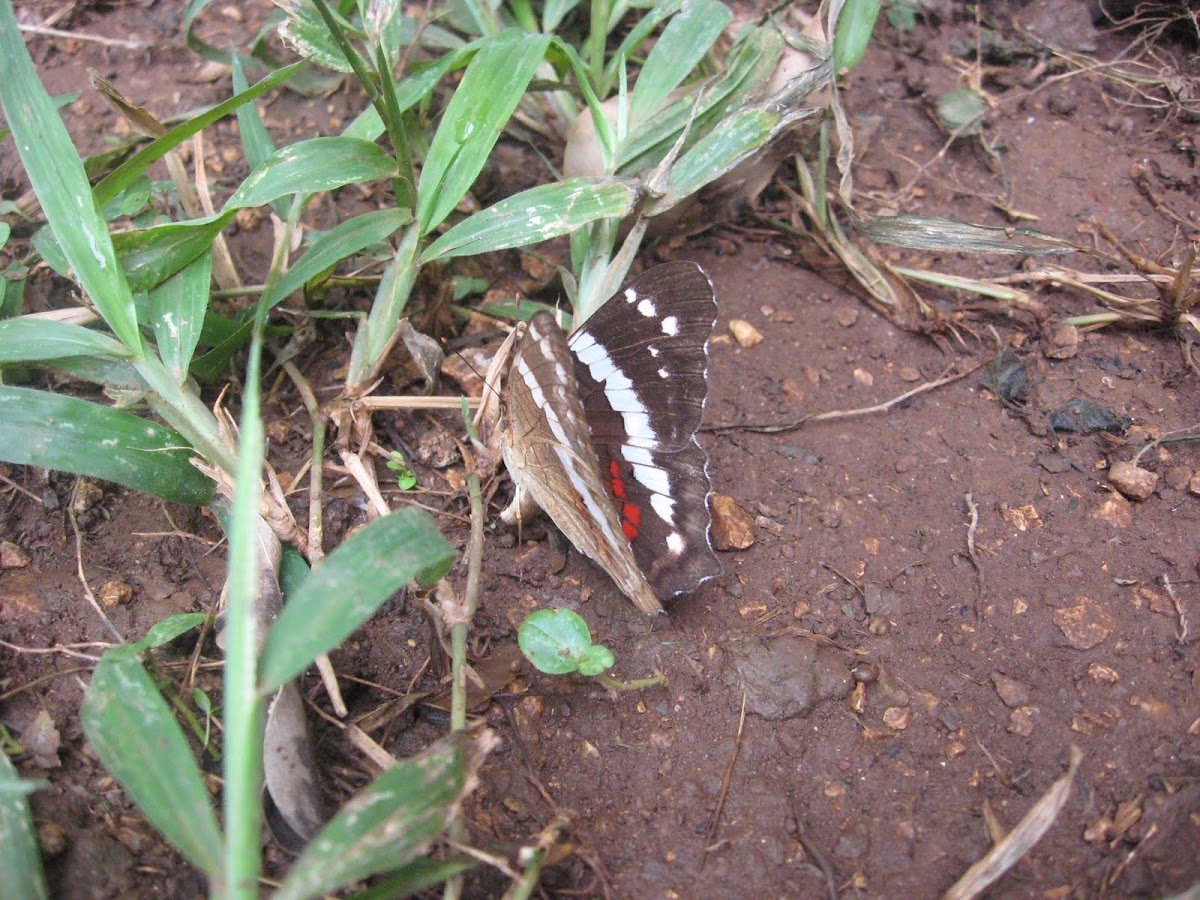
58	179
680	48
29	340
177	308
388	824
353	581
137	165
536	215
71	435
309	167
932	233
490	90
20	859
132	730
152	255
854	27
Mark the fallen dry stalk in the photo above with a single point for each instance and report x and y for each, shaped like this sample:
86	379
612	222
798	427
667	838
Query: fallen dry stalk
1009	851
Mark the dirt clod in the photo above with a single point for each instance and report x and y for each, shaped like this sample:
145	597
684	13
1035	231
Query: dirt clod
1011	692
1133	481
745	334
732	526
12	556
784	676
114	593
1085	625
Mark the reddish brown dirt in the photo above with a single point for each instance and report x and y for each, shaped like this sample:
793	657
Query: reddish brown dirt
1064	616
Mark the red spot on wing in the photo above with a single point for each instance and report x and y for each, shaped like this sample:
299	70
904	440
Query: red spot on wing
618	483
631	518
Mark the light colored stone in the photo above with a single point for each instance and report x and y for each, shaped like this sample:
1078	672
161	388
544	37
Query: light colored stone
1085	625
732	526
1133	481
745	334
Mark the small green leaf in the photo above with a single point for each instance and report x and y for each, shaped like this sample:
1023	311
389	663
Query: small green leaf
20	861
318	164
163	632
152	255
177	308
55	431
137	738
596	659
962	111
352	582
554	640
387	825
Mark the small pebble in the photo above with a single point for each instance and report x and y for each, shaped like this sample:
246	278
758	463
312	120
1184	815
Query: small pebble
745	334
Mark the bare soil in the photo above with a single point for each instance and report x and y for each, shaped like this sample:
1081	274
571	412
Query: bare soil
969	564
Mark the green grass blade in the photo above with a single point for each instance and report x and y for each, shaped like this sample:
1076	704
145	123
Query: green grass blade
418	875
352	582
57	176
347	239
20	861
152	255
481	106
318	164
387	825
28	340
683	43
136	165
177	314
537	214
72	435
854	26
658	13
720	151
554	12
137	738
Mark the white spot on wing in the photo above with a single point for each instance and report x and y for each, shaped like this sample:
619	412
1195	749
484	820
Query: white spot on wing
675	543
653	350
663	373
646	307
670	326
654	479
665	507
630	295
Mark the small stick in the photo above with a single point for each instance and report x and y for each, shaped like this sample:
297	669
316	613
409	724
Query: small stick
845	413
42	31
815	852
737	746
1181	633
87	590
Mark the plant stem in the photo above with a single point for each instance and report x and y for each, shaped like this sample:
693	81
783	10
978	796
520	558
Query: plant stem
638	684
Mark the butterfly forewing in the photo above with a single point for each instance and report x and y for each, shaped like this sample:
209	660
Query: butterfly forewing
642	367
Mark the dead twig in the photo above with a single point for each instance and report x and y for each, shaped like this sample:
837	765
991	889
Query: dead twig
844	413
725	782
1009	851
814	851
1182	631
